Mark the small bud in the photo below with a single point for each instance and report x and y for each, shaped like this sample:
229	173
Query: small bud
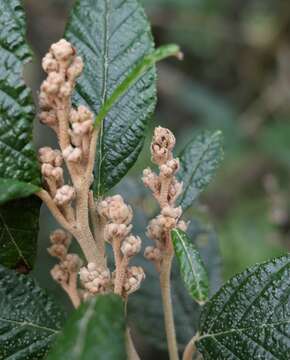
57	250
72	154
85	114
135	276
131	246
48	118
65	90
75	68
49	64
59	236
116	231
73	263
152	253
175	213
62	50
182	225
64	195
58	274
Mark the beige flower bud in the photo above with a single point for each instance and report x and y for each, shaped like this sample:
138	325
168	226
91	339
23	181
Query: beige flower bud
131	245
116	231
48	118
72	154
64	195
85	114
135	275
66	90
59	274
75	68
172	212
62	50
73	263
182	225
57	250
60	236
49	64
152	253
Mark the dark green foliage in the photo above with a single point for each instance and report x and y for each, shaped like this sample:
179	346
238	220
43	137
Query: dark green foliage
18	233
95	331
17	154
249	317
29	319
191	266
112	37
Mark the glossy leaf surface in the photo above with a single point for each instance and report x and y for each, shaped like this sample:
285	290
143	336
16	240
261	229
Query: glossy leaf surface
17	155
249	317
29	319
113	36
191	266
198	163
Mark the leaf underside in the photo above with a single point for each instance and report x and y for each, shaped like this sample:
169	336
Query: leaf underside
29	319
198	163
112	36
191	266
249	318
95	331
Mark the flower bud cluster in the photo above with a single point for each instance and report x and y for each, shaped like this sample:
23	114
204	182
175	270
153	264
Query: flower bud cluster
166	189
95	280
69	263
118	216
51	162
63	67
134	277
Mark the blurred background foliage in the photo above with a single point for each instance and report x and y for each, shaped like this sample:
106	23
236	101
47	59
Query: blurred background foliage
235	77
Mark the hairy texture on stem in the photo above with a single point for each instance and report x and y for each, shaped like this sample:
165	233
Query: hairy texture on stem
165	189
190	348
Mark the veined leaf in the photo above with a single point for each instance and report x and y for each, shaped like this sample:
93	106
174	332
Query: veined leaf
17	155
191	266
249	317
113	36
95	331
29	319
18	233
14	189
146	63
19	172
198	163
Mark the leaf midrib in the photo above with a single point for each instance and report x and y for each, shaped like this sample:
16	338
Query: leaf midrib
197	166
190	264
27	323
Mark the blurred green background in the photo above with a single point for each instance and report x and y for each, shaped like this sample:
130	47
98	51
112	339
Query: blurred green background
235	76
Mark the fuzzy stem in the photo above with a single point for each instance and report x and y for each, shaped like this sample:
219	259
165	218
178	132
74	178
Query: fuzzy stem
80	232
72	291
131	351
190	348
121	265
167	305
97	225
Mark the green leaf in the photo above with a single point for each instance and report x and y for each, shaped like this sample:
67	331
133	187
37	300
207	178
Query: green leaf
191	266
113	36
17	154
147	62
29	319
19	172
15	189
249	318
18	233
198	163
95	331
